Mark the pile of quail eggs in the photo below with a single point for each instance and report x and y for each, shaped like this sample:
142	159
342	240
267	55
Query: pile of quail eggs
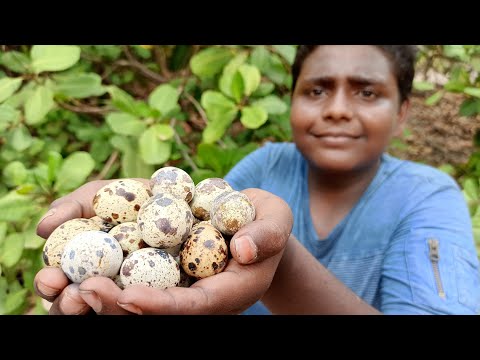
170	233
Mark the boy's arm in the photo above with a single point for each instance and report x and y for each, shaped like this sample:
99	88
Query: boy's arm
302	285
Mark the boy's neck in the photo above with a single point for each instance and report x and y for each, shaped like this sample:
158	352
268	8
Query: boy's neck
327	181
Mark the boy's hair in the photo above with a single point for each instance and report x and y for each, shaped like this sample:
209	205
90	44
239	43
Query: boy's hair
402	56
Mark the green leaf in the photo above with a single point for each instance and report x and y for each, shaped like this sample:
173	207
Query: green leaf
251	78
125	124
8	86
54	57
32	240
55	161
472	91
264	89
74	171
210	61
121	143
287	51
470	107
14	301
15	173
18	99
448	169
15	207
260	57
470	186
80	86
133	165
455	51
253	117
272	104
3	231
435	98
152	150
164	98
237	87
226	82
8	115
20	138
163	131
38	106
269	64
423	86
122	100
220	113
12	249
16	61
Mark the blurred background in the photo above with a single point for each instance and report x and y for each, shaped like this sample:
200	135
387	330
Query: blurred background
71	114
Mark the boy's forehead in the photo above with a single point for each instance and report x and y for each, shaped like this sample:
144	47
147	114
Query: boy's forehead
332	61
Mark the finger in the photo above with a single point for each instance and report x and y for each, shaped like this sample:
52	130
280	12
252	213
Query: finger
101	294
268	233
229	292
57	215
49	282
69	302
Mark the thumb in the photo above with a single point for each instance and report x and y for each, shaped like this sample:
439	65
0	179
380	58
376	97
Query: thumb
267	235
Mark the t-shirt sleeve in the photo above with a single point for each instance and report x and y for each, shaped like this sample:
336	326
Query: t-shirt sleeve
431	266
248	172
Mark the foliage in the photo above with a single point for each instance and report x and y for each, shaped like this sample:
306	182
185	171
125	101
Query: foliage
69	114
461	66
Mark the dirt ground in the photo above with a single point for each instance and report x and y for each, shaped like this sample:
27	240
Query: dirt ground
438	134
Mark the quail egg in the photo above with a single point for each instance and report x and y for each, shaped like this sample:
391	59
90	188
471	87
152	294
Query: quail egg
205	252
165	221
91	253
151	267
53	248
231	211
205	192
129	237
120	200
174	181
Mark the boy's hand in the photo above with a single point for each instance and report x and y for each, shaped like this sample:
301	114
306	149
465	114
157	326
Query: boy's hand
259	243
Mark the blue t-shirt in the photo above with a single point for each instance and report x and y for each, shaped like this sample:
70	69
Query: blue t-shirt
406	247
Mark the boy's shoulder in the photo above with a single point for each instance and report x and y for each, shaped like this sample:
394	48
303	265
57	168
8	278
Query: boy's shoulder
417	172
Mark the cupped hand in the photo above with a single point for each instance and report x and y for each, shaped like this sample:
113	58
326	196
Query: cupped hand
259	244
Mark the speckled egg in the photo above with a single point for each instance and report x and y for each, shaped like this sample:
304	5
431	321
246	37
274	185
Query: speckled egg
232	211
205	193
150	267
174	181
205	252
53	248
120	201
118	281
104	225
91	253
165	221
129	237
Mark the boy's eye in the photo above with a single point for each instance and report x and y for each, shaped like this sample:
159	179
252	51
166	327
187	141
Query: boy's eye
368	93
317	91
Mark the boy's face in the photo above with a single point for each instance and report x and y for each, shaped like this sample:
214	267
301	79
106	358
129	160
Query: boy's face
346	107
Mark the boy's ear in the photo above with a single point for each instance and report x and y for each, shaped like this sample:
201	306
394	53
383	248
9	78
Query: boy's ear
402	117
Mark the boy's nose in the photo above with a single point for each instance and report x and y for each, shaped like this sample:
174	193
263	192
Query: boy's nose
338	107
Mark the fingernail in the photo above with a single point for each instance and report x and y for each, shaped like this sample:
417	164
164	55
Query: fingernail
46	290
92	299
49	213
132	308
246	249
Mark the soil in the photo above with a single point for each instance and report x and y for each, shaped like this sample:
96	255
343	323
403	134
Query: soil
437	135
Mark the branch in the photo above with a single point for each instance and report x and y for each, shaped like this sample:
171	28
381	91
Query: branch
181	146
85	109
142	68
108	165
197	106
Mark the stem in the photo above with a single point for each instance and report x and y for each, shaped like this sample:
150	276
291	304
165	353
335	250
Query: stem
85	109
108	165
142	68
197	106
181	145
